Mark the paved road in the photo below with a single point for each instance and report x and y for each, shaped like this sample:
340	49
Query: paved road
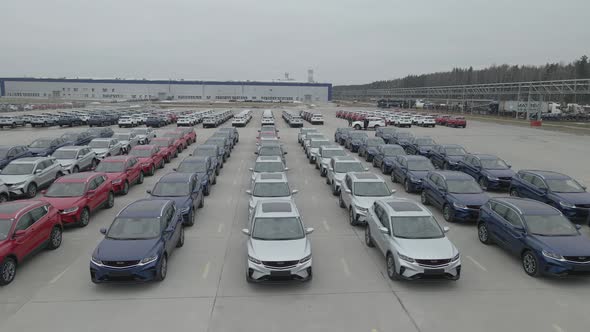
206	290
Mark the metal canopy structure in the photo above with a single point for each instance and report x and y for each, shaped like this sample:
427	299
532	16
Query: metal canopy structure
543	90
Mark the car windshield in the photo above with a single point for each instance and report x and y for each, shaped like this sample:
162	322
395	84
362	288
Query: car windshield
420	165
424	141
275	189
494	164
404	135
124	137
41	143
3	152
349	167
270	151
99	144
111	167
333	153
65	189
65	154
171	189
142	153
5	225
455	151
565	186
356	135
317	144
206	152
161	143
374	142
371	189
463	187
550	225
192	167
268	167
17	169
140	131
134	229
421	227
391	151
275	229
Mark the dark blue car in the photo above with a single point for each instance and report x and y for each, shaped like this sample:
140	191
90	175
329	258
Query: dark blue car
354	140
343	136
338	134
447	156
212	151
401	138
43	147
385	156
385	132
185	190
368	147
9	153
545	241
491	172
456	193
410	171
223	153
420	145
137	245
203	167
79	139
555	189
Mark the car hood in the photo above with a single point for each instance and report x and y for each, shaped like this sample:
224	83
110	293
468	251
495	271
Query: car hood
455	159
66	162
62	203
144	160
440	248
181	201
418	174
499	173
339	176
278	250
575	198
578	245
37	151
366	202
355	141
124	142
100	150
388	160
470	199
12	179
125	250
372	150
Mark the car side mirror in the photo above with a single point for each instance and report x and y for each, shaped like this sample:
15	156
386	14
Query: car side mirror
578	226
251	169
309	230
246	231
285	152
330	168
509	166
19	233
347	191
583	187
174	169
294	191
446	229
366	169
249	192
384	230
91	192
103	231
38	171
393	191
148	191
190	154
286	169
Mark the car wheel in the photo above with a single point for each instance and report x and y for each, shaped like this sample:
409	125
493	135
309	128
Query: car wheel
357	127
110	200
391	269
483	183
55	238
206	191
7	271
341	202
202	202
31	190
217	171
215	179
327	179
407	186
93	164
76	169
84	218
530	264
162	269
140	178
152	170
3	198
424	198
448	213
334	190
351	217
514	192
190	220
125	189
368	238
483	233
393	177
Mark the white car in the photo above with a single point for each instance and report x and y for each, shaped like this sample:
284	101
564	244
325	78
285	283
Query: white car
185	121
359	191
427	121
404	121
337	169
127	122
269	186
374	122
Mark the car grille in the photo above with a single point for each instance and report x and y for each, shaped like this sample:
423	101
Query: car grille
120	263
474	207
578	259
583	206
433	262
280	264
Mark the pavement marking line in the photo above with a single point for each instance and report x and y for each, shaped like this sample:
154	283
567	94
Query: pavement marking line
345	267
220	228
206	270
326	226
57	277
235	182
476	263
306	181
561	303
558	328
374	330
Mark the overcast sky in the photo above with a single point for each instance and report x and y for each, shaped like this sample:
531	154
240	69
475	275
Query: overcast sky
344	41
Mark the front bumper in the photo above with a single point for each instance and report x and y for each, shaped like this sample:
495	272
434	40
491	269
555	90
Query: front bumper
415	270
360	214
562	268
578	214
468	214
264	273
136	273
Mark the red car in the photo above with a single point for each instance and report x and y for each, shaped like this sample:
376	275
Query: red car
166	146
25	227
122	171
189	134
172	117
442	119
77	195
149	157
180	142
456	122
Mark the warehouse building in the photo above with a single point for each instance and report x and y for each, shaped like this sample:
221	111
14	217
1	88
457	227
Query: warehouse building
122	89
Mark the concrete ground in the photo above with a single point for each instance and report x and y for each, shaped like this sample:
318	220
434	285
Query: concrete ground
206	290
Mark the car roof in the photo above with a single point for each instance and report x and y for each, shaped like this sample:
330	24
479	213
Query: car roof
275	208
271	177
147	208
331	147
143	147
484	156
413	157
527	206
453	175
345	159
11	209
365	177
177	177
404	207
451	145
71	148
102	139
547	174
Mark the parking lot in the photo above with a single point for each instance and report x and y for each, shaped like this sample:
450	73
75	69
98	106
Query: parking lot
206	289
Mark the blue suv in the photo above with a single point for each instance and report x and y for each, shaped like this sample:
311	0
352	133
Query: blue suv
401	138
212	151
555	189
385	132
410	171
203	167
185	190
368	147
9	153
137	245
420	145
385	155
447	156
545	241
456	193
43	147
491	172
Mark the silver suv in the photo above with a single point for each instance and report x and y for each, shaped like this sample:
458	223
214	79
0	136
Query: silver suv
106	147
309	137
303	133
325	153
269	186
359	191
338	168
75	159
127	140
268	164
314	148
4	193
412	241
278	246
145	135
25	176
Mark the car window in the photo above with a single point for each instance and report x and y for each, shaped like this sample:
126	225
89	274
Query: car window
475	162
93	184
441	182
24	222
38	213
539	183
11	153
385	221
433	178
527	177
512	217
500	209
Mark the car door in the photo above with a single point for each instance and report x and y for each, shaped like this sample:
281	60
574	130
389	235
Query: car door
436	157
102	190
525	185
539	189
86	157
381	221
512	230
133	170
346	191
396	167
42	174
25	242
468	167
196	191
170	237
495	222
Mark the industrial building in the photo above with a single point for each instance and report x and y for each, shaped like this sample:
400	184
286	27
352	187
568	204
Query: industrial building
178	90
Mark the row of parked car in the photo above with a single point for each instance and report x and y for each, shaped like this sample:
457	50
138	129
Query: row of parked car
217	118
533	223
293	119
70	199
242	119
400	118
315	118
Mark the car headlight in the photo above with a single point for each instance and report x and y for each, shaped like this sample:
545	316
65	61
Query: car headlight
117	181
553	255
360	208
567	205
305	259
70	210
459	205
185	210
405	258
492	178
254	260
18	184
95	260
148	260
415	179
456	258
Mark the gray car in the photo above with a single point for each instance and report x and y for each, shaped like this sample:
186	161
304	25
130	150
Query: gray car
303	133
314	148
145	135
269	164
412	241
278	245
128	140
358	192
325	153
338	168
269	186
106	147
25	176
76	159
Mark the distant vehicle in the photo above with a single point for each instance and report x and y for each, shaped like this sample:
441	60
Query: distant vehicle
213	151
271	164
149	157
325	154
127	140
203	167
456	122
9	153
386	133
81	138
74	159
166	148
43	147
338	168
12	121
368	147
401	138
122	171
145	135
385	155
269	186
491	172
106	147
420	145
410	171
354	140
447	156
374	123
185	190
25	176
